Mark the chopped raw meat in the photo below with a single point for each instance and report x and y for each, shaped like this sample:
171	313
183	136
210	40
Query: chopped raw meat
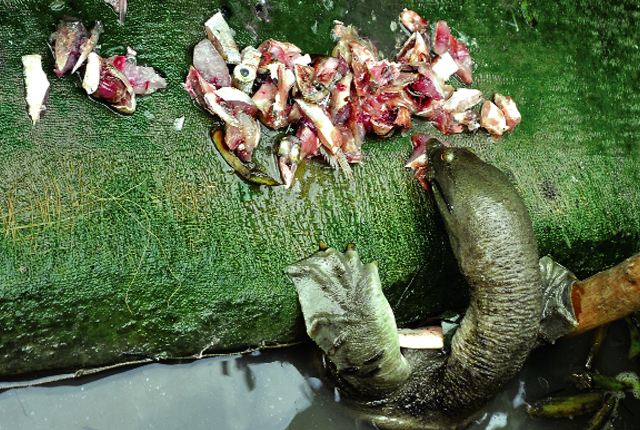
462	100
37	85
91	78
509	109
208	61
441	38
462	58
444	66
221	36
493	119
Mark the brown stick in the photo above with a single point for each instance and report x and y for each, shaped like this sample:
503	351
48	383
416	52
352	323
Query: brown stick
607	296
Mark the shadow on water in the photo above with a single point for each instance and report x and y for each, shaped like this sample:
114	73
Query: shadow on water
281	389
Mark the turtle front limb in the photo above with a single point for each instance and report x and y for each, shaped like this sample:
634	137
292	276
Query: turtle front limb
348	316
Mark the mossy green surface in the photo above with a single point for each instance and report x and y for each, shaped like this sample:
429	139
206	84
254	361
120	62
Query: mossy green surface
122	234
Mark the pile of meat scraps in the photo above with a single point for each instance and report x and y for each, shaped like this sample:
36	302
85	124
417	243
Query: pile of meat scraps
331	102
115	80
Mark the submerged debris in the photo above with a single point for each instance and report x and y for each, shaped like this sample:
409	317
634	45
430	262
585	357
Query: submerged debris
563	407
37	86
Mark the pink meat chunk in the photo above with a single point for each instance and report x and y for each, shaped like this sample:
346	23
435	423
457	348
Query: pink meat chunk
492	119
441	39
509	109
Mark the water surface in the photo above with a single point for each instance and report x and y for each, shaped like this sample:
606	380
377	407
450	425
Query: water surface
281	389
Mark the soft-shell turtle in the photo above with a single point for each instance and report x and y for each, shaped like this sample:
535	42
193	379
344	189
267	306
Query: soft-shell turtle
347	315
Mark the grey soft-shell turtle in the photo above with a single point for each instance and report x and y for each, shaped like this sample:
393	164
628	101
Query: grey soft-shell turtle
517	301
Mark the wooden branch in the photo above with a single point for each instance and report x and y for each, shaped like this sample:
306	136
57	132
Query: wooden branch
607	296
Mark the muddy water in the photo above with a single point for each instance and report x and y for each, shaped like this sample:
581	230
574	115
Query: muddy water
278	390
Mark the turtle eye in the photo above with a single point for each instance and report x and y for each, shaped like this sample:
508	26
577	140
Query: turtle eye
447	156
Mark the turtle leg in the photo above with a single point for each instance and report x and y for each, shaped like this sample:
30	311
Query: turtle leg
558	316
348	316
571	307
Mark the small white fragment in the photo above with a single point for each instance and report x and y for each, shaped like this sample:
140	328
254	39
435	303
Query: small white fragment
178	123
91	78
481	419
314	383
37	85
230	94
220	35
497	421
244	74
462	100
518	400
421	338
444	66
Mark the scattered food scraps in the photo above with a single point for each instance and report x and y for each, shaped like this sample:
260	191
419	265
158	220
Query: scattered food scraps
115	80
37	85
329	103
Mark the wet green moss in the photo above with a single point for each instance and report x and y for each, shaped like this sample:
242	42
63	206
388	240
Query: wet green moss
122	234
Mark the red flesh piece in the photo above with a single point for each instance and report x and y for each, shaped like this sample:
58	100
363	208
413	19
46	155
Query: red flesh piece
287	53
384	72
309	142
462	57
326	70
115	90
197	86
418	160
350	147
211	65
441	39
492	119
144	80
415	50
265	96
413	21
428	85
242	140
445	122
310	87
67	41
362	80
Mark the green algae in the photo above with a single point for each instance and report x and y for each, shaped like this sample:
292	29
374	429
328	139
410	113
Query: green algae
122	234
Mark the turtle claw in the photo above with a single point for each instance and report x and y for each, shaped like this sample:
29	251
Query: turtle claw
558	316
347	315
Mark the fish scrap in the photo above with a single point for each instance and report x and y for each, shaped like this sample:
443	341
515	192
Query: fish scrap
329	103
37	86
119	7
116	80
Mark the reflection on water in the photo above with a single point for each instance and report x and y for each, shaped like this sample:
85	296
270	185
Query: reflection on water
277	390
